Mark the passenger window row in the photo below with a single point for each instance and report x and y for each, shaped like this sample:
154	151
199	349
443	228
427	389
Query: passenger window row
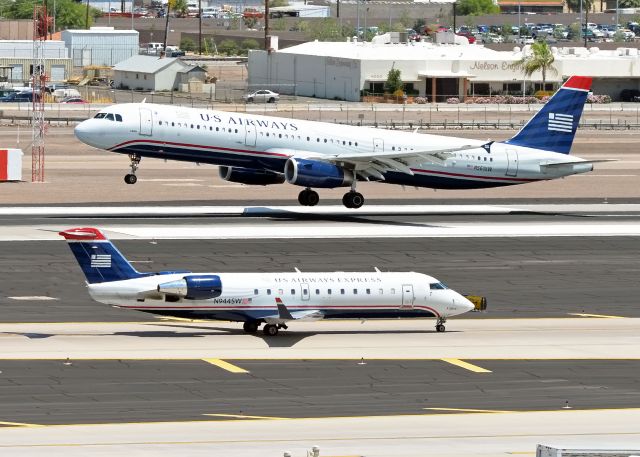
392	291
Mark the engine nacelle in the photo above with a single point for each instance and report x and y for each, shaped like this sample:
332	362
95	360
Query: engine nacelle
193	287
250	176
313	173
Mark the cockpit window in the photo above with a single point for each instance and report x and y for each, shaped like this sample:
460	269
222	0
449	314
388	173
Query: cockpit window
118	118
100	116
110	117
437	286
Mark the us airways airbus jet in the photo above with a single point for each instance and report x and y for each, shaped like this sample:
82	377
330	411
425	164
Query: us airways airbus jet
256	298
261	150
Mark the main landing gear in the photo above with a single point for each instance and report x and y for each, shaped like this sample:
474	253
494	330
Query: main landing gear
268	329
440	325
308	197
351	199
131	178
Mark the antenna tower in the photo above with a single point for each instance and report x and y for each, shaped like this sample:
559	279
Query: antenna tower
38	82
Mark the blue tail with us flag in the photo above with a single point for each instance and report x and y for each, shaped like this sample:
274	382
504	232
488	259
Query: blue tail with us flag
99	259
554	126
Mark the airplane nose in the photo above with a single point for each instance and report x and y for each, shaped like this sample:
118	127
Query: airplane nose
82	131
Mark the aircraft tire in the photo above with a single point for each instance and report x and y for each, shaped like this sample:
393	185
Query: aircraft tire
130	178
250	326
353	200
440	328
270	330
308	197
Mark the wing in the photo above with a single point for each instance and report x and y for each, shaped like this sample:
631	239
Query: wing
375	164
284	315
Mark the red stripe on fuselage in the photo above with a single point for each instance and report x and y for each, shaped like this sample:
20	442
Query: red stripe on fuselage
200	146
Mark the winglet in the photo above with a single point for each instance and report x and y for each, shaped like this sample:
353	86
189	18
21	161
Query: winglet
283	312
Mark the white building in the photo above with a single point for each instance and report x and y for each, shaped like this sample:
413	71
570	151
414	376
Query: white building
18	56
155	73
102	46
343	70
300	9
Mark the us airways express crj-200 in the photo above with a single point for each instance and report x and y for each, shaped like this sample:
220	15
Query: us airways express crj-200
262	150
256	298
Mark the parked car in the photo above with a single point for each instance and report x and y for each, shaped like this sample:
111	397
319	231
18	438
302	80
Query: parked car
262	96
73	100
18	97
468	35
630	95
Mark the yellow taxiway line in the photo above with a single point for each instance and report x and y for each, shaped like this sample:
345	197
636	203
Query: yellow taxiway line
464	410
242	416
596	315
19	424
226	365
466	365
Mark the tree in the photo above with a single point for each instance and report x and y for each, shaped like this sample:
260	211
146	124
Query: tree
179	7
328	29
393	82
248	44
276	3
250	22
187	44
574	5
476	7
629	3
541	59
419	25
228	47
405	19
69	14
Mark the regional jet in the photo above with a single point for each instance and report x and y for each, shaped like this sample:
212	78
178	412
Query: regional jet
273	299
262	150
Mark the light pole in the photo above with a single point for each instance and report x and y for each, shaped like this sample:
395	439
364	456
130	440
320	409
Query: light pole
358	19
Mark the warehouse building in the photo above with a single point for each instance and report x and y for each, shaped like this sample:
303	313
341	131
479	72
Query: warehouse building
17	56
143	72
100	46
348	70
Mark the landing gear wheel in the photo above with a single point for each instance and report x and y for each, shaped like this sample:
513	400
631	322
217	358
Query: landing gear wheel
250	326
135	162
270	330
440	328
353	200
308	197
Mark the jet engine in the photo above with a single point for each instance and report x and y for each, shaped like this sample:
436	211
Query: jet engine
314	173
250	176
194	287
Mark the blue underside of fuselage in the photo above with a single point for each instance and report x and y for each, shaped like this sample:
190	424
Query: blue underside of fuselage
258	315
277	164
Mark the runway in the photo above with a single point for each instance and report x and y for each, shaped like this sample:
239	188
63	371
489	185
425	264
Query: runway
562	326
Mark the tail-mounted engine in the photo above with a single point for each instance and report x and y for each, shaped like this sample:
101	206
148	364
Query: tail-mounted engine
193	287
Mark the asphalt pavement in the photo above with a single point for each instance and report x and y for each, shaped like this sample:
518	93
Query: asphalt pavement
116	391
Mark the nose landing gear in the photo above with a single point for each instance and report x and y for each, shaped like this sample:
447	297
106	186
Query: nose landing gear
440	325
131	178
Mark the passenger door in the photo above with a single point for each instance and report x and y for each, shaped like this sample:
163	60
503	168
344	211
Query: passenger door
146	122
512	162
304	290
250	135
407	296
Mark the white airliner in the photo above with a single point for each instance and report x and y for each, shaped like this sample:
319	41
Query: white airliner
256	298
262	150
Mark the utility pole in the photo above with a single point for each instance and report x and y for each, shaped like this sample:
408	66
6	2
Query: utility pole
199	27
38	82
266	25
337	8
166	27
86	17
454	16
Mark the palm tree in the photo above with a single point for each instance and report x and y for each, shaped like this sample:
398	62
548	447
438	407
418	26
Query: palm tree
540	59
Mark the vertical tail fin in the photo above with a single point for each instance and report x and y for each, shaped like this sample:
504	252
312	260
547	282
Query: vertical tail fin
99	260
554	126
